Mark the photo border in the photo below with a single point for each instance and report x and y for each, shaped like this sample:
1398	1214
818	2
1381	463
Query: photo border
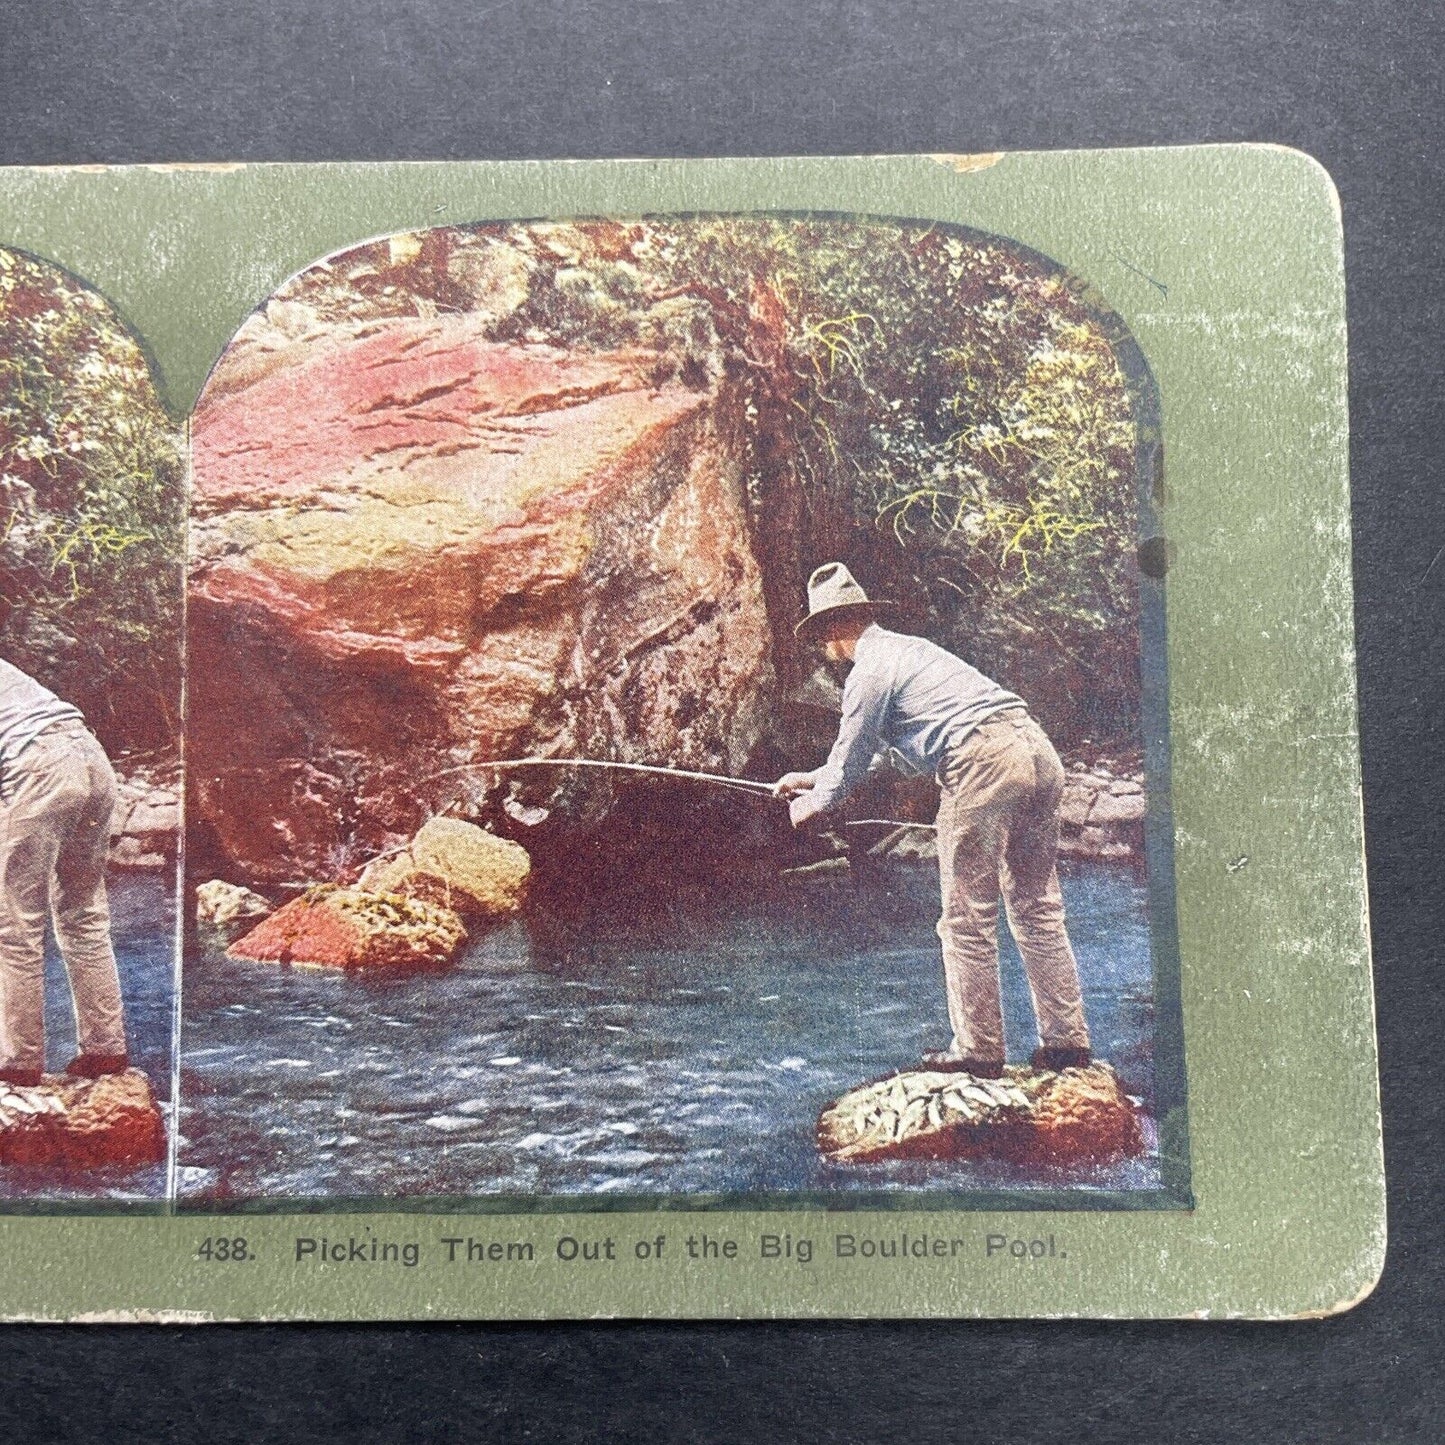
1170	1088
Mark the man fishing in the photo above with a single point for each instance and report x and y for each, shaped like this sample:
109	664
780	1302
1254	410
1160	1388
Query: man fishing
998	816
57	793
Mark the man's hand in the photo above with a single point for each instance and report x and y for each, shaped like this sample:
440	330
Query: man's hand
791	784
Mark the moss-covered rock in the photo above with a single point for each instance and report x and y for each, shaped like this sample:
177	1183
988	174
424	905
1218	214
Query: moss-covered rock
330	927
1079	1116
456	865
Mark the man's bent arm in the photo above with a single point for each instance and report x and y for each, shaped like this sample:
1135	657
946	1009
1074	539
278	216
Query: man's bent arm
865	706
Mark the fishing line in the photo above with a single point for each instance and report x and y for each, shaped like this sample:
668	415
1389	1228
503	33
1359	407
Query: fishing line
890	823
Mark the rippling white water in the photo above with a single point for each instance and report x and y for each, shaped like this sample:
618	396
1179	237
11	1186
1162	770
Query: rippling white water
685	1048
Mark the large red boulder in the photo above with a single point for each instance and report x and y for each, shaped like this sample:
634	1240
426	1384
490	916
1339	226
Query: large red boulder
413	548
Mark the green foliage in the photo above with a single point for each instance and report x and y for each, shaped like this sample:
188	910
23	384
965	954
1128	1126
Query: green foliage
1019	531
952	412
91	508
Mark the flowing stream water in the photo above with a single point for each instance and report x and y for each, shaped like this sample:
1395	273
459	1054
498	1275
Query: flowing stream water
672	1041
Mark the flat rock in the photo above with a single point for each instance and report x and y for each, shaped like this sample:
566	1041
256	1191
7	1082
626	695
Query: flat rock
1079	1116
82	1123
1074	806
457	865
145	825
132	855
155	814
329	927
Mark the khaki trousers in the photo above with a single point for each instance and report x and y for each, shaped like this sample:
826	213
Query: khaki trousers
998	833
54	837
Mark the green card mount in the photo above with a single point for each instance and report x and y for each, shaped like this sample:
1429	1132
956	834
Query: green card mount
1219	271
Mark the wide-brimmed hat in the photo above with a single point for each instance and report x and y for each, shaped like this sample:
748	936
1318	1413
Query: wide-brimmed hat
833	592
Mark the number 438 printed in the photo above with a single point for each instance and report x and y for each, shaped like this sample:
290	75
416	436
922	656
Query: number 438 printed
224	1250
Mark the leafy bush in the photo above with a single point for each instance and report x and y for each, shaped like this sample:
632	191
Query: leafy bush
91	508
950	409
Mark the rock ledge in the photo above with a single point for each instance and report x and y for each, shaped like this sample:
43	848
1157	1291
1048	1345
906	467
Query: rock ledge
1079	1116
146	825
82	1122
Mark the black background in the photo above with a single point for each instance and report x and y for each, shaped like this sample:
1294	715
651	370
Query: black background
1357	83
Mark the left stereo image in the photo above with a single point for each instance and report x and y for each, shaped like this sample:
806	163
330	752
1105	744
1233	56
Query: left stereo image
92	513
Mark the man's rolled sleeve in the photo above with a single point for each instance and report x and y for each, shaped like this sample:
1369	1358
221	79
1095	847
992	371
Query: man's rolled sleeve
865	708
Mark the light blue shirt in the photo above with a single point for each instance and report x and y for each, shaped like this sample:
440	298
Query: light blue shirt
905	698
26	710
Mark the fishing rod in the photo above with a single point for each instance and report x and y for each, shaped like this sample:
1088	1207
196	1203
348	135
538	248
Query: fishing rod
746	785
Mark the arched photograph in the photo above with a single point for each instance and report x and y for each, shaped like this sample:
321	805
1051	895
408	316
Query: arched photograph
676	709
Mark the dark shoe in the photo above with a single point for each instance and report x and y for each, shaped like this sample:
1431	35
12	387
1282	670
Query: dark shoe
979	1068
20	1078
92	1066
1055	1058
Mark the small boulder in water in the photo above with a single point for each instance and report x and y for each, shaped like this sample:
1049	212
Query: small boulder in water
329	927
458	866
228	906
82	1123
1031	1116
